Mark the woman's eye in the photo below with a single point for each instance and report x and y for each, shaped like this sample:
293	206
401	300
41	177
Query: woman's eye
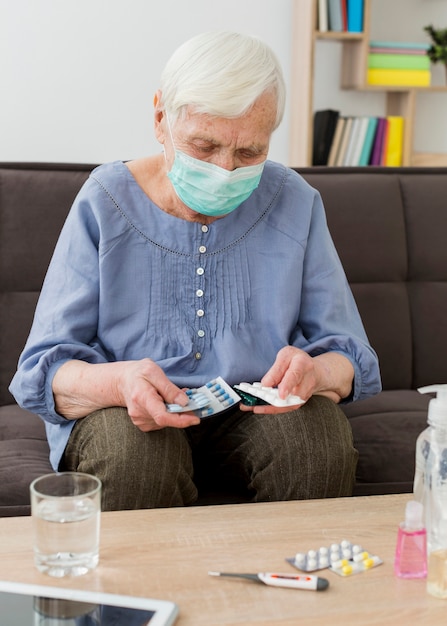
205	149
249	156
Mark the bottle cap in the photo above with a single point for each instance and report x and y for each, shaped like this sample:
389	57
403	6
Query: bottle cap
413	515
437	407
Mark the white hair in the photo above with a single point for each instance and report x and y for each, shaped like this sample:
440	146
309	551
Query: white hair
221	74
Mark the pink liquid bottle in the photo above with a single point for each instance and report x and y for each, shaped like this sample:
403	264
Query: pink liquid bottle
411	547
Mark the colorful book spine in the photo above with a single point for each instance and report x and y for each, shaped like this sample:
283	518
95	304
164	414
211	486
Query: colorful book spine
322	16
344	14
365	140
376	153
398	61
336	141
383	147
365	154
344	141
352	141
325	123
398	45
384	50
360	140
355	16
335	15
399	78
394	142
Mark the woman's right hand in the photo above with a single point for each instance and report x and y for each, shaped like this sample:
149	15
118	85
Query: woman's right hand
145	389
80	388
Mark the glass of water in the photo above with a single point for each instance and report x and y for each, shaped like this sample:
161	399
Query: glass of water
66	509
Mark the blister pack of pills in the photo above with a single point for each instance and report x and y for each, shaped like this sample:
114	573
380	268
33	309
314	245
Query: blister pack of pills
359	563
344	558
270	395
212	398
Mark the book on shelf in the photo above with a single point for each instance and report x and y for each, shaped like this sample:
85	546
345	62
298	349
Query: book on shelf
367	140
366	151
340	15
355	140
396	46
384	145
394	141
409	51
340	159
344	15
322	16
336	141
335	15
381	61
398	77
355	16
324	128
398	64
359	141
376	153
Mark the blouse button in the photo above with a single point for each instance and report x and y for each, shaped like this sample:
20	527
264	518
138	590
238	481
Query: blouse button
198	356
204	228
202	249
199	293
201	333
200	271
200	313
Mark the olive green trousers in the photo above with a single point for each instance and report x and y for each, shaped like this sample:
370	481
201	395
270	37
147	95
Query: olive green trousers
305	453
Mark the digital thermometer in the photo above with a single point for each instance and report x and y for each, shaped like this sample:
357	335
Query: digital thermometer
305	581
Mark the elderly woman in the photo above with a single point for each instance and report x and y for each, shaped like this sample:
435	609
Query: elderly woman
204	260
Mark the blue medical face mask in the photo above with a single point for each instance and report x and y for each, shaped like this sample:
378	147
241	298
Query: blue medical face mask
209	189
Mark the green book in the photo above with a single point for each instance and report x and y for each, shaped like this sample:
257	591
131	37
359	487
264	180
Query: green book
398	61
368	141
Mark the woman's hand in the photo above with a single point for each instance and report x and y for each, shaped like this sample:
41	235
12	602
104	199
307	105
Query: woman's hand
142	387
295	372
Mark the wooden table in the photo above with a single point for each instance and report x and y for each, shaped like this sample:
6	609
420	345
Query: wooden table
167	553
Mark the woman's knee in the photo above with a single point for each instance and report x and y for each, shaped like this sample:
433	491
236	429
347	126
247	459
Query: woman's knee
137	469
307	453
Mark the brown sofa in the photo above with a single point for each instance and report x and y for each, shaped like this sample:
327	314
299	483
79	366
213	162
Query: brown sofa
389	226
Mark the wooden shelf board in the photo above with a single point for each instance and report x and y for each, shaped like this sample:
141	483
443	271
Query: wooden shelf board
392	88
332	35
429	159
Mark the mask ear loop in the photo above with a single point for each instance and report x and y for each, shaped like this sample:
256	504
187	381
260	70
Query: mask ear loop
170	135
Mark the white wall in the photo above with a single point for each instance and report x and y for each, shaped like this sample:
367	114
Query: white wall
77	77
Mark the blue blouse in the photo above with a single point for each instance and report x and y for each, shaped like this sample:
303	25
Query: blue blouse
128	281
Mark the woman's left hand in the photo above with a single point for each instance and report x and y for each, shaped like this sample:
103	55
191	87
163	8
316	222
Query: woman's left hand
296	372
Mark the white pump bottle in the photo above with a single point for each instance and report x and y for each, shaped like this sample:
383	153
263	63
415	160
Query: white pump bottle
430	485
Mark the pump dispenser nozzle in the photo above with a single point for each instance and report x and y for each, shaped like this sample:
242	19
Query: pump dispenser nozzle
437	408
413	515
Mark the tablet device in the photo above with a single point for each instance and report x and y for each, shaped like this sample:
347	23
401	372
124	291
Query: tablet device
38	605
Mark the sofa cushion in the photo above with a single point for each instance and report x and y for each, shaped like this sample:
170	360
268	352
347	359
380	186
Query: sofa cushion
24	455
34	202
366	218
385	429
426	224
